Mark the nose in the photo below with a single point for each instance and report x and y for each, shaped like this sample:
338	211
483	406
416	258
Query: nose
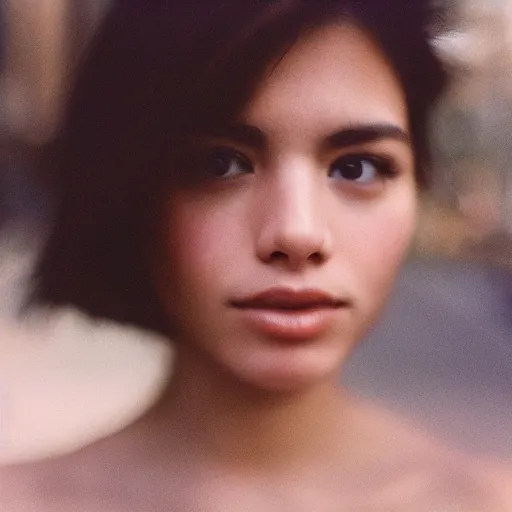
294	230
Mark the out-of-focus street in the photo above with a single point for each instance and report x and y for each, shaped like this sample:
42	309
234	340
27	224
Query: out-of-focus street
443	353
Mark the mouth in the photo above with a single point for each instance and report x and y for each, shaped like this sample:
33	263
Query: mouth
288	314
290	300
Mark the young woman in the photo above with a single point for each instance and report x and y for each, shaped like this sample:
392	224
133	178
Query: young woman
243	177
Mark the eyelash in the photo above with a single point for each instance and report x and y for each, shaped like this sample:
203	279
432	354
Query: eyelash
208	157
385	166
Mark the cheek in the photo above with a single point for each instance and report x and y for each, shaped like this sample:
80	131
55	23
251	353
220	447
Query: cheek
199	241
381	239
392	235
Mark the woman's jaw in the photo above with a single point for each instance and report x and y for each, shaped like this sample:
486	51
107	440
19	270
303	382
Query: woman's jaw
278	258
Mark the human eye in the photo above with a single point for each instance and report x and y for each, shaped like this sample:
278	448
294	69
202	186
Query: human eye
362	169
223	162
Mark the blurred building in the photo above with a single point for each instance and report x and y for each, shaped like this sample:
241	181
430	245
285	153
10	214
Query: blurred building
42	38
476	125
40	41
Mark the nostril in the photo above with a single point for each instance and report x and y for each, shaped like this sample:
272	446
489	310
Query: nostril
316	258
278	256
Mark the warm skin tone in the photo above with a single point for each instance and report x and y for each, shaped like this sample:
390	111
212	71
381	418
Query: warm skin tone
318	194
292	219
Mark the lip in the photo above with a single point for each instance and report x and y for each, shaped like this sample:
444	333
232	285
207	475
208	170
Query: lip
289	314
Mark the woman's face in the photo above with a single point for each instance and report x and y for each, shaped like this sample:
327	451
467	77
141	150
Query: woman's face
281	251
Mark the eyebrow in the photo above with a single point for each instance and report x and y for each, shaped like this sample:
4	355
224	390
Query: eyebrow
365	133
353	135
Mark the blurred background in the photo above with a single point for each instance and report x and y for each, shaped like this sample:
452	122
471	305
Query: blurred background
442	353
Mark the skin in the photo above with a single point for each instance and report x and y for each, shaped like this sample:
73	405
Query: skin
293	221
249	422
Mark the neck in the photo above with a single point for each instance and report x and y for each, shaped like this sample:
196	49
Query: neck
235	424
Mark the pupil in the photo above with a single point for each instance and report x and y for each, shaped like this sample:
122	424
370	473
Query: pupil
220	165
352	171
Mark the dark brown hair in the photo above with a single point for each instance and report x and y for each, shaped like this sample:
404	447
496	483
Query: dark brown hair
157	71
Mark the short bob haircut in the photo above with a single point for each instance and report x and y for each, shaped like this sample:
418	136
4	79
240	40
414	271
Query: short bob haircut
157	72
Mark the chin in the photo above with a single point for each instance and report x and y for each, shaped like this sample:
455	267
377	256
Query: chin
288	371
284	384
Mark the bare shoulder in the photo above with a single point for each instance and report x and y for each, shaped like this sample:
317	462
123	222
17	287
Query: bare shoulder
425	475
115	474
23	487
454	482
498	476
88	480
54	485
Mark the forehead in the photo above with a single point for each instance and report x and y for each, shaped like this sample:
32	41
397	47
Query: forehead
334	74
